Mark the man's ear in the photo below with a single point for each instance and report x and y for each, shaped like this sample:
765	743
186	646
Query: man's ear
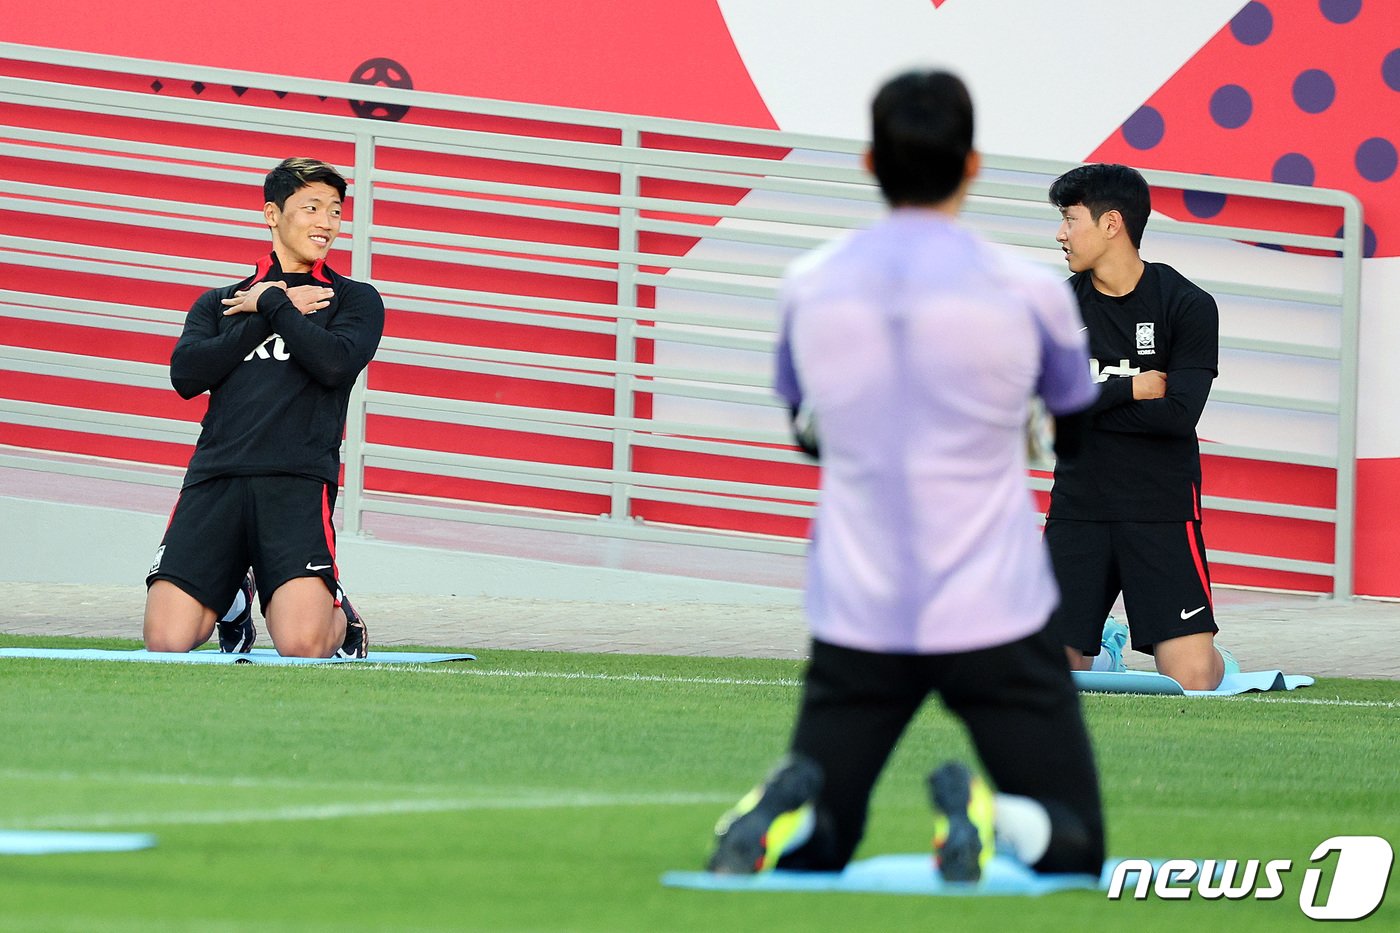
271	214
867	159
1112	223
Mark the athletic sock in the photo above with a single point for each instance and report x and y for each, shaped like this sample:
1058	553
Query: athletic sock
1023	826
1103	661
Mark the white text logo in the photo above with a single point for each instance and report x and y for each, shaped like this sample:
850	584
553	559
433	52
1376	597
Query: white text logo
1358	879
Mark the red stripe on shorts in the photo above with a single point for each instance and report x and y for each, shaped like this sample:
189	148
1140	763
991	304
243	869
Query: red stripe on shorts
1200	564
326	527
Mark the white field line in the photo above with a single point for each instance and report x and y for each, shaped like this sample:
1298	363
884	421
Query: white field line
567	675
1272	697
370	808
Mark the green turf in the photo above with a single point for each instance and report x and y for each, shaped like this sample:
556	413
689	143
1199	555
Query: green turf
541	791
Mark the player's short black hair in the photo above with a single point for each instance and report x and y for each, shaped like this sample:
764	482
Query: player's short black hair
921	134
296	173
1106	186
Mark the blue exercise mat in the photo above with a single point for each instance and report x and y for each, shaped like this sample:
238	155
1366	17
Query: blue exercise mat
899	874
256	656
27	842
1152	683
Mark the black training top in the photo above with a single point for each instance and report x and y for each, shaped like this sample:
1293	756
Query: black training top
1140	460
278	381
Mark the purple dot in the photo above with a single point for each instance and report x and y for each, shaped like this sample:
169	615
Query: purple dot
1314	91
1145	128
1294	168
1376	159
1340	11
1368	240
1231	106
1252	24
1390	69
1203	204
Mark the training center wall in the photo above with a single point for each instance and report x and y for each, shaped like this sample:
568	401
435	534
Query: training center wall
1296	91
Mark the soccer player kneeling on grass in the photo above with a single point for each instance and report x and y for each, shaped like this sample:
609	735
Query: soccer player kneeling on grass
912	351
278	354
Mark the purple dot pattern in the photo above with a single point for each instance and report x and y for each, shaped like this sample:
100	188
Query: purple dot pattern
1231	106
1253	24
1340	11
1314	90
1145	128
1376	159
1204	204
1390	69
1368	240
1294	168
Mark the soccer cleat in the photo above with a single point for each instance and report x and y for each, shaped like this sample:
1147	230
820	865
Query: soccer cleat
356	644
236	635
1115	640
769	821
964	836
1231	665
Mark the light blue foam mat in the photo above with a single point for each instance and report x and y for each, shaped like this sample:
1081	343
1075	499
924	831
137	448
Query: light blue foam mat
48	842
1152	683
899	874
256	656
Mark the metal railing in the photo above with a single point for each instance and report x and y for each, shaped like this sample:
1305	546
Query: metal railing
581	303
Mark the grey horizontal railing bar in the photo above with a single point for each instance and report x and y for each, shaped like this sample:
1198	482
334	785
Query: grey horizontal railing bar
731	234
247	219
253	167
60	316
207	227
442	300
143	473
488	261
706	285
548	415
108	310
1274	401
459	201
116	163
599	199
1261	562
468	243
726	448
74	263
141	427
1307	513
568	366
595	480
1215	449
586	524
210	267
1280	348
90	368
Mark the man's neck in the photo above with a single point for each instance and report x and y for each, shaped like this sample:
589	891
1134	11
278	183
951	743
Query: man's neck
1118	276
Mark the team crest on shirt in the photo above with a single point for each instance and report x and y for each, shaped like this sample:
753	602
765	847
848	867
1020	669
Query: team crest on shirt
1146	337
155	564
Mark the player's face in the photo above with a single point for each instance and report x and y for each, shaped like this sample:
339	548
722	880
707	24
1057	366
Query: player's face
1082	239
304	228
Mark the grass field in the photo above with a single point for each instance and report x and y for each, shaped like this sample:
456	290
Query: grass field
534	791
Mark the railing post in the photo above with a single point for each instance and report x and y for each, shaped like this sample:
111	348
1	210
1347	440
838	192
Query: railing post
1343	561
619	507
354	449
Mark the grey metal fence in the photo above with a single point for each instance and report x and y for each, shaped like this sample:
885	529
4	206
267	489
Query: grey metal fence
582	303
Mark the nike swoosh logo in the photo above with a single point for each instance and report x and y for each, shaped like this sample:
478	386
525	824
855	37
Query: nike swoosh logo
328	567
1186	615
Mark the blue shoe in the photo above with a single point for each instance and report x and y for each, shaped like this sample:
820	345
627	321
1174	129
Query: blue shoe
964	834
771	820
1231	665
236	635
1115	642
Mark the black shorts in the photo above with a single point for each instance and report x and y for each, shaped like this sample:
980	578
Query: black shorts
278	525
1159	567
1021	710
